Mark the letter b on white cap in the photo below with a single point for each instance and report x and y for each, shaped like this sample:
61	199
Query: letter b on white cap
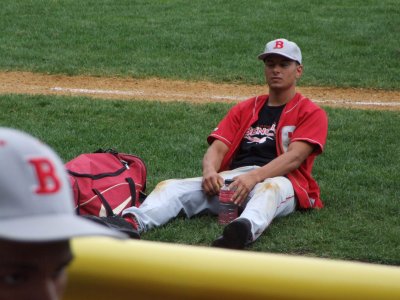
45	172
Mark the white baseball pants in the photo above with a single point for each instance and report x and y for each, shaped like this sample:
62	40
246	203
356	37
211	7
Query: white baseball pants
269	199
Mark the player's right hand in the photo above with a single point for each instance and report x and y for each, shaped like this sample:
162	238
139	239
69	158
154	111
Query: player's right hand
212	183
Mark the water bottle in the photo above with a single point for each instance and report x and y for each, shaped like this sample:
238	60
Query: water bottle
228	211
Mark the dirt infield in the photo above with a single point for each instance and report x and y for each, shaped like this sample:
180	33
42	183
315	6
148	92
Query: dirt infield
169	90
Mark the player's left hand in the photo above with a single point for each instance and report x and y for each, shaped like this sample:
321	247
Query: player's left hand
243	184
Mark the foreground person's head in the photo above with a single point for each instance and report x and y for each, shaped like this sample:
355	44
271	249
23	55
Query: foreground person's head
37	219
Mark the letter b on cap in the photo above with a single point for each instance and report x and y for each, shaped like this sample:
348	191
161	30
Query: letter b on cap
48	181
278	44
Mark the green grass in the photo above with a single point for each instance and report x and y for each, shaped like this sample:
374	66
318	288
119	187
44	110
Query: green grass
358	173
344	43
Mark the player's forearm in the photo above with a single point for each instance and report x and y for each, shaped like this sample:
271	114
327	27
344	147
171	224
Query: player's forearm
214	156
212	161
280	166
291	160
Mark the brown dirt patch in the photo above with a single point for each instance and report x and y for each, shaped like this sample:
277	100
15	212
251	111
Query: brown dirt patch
169	90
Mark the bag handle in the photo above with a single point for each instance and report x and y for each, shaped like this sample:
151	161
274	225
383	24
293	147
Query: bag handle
142	197
78	204
103	200
132	189
109	150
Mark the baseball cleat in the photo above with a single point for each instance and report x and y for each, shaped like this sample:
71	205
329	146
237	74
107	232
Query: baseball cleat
236	235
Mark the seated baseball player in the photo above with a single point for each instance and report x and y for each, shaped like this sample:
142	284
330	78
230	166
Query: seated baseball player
266	144
37	219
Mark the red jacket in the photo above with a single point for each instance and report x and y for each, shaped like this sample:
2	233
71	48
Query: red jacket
301	120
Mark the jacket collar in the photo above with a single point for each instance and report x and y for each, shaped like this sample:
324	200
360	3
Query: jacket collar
262	99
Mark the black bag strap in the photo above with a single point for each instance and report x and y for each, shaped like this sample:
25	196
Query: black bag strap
98	176
132	189
109	150
78	204
142	197
103	200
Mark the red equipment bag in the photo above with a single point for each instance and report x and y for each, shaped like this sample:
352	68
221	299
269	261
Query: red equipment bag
106	182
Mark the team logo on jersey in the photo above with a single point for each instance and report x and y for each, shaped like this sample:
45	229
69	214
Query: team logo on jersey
260	134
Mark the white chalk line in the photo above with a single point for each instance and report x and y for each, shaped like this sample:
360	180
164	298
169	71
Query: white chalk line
177	95
358	103
137	93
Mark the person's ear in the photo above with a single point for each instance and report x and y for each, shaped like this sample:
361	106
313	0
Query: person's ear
299	71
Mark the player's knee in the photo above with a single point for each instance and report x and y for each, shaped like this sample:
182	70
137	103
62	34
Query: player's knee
161	186
267	186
